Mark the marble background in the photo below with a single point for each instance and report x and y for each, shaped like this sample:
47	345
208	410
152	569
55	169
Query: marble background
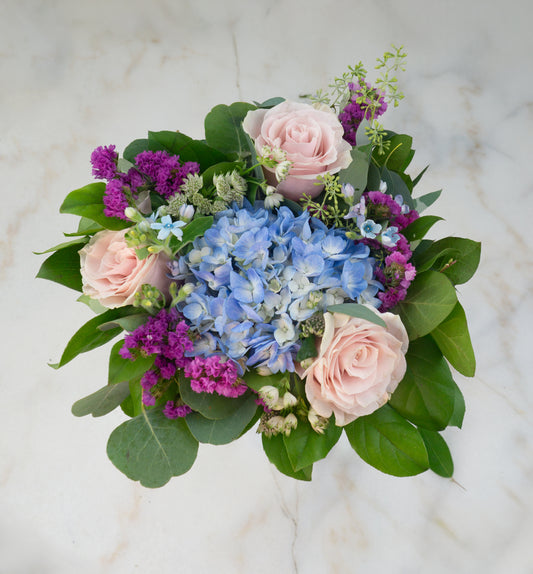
76	75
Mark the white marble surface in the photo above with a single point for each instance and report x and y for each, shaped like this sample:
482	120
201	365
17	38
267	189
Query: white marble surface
76	75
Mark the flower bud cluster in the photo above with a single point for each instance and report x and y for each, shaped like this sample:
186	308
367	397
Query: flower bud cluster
274	422
149	298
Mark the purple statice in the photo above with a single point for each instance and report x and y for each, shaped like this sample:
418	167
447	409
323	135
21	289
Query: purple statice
355	112
104	162
175	410
381	205
166	171
396	277
115	200
210	375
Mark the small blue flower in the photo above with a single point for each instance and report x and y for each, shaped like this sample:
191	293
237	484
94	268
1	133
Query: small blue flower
370	228
399	200
390	237
167	226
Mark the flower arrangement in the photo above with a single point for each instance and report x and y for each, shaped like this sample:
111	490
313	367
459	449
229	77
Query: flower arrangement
275	275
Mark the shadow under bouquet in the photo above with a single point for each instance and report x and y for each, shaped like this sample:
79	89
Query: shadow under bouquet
276	276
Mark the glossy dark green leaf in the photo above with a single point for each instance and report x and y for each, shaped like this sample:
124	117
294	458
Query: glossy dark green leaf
85	227
396	186
80	242
188	149
138	146
356	310
222	431
277	454
102	401
152	448
426	394
307	349
126	369
430	299
453	339
417	179
256	381
459	409
223	128
88	202
210	405
439	456
399	154
456	257
63	267
304	446
192	230
386	441
419	227
89	336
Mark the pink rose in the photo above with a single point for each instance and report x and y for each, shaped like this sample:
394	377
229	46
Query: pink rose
112	273
358	366
311	138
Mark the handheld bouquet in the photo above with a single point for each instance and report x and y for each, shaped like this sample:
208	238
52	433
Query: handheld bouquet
274	275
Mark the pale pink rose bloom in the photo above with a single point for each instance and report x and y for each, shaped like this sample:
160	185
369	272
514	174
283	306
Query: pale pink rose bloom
112	274
312	139
359	365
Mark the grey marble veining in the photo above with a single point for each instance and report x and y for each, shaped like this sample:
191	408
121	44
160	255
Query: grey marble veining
78	75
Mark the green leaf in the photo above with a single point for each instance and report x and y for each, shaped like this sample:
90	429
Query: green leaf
93	304
426	394
276	452
88	202
195	228
188	149
90	337
399	155
455	257
85	227
270	103
63	267
223	128
356	310
374	178
386	441
304	446
419	227
128	323
396	186
307	349
78	242
133	405
430	299
419	177
439	456
222	431
138	146
126	369
152	448
102	401
453	340
424	201
357	172
212	406
218	169
459	409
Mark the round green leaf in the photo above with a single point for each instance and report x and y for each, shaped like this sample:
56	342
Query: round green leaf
102	401
386	441
152	448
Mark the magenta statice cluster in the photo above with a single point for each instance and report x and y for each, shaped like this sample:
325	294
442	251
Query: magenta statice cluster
153	170
356	111
211	375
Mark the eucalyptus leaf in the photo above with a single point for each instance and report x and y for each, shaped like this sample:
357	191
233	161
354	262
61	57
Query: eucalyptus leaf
128	323
426	394
459	409
386	441
439	456
356	173
63	267
223	128
276	452
417	179
430	299
374	178
453	339
424	201
121	369
270	103
102	401
304	446
88	202
211	406
152	448
396	186
222	431
360	311
93	304
89	336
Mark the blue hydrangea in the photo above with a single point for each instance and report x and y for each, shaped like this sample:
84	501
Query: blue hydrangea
258	274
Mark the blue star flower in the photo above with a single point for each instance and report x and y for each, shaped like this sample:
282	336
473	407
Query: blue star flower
167	226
